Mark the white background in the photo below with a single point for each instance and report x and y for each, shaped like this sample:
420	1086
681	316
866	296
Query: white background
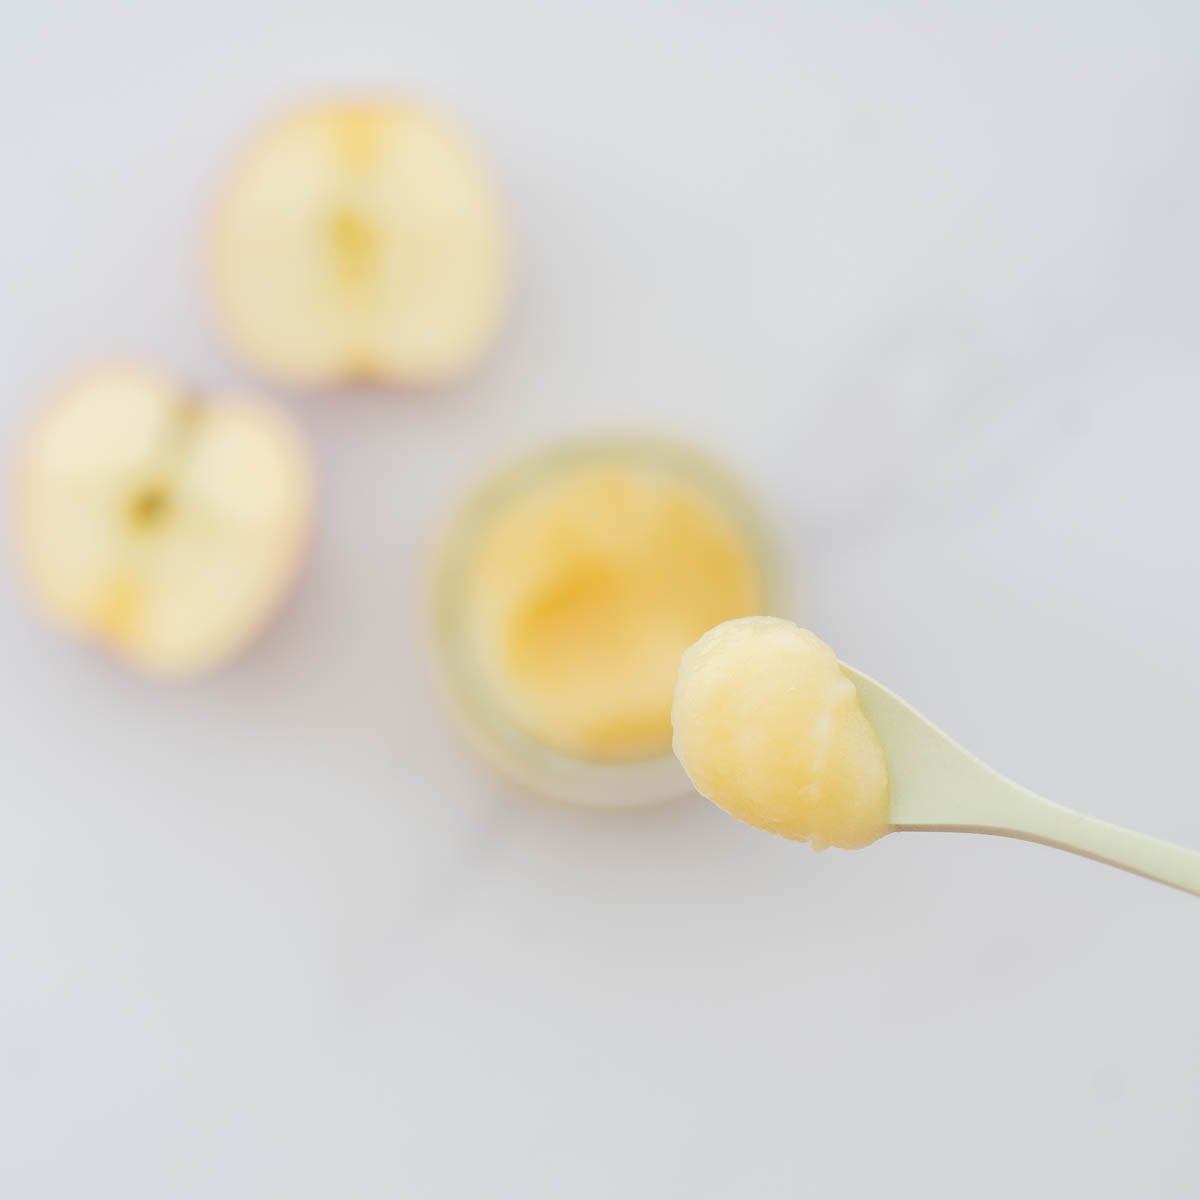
930	273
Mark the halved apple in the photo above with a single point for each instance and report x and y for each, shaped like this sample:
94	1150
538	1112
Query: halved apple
360	242
166	527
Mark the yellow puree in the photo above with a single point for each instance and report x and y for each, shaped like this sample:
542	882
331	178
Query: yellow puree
769	728
584	591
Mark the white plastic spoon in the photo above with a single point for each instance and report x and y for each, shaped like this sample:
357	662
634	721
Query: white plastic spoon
937	785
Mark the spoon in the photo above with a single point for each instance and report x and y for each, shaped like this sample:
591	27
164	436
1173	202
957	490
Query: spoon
936	785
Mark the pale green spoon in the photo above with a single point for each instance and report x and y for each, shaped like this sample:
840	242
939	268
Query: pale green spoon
937	785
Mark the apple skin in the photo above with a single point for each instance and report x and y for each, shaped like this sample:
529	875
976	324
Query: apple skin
291	540
348	375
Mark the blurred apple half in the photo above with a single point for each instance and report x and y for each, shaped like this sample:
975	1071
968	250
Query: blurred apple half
166	527
360	243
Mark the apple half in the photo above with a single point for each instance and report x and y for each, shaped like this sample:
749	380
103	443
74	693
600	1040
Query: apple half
165	527
360	243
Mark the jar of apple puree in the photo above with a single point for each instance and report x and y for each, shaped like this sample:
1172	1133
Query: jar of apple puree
566	588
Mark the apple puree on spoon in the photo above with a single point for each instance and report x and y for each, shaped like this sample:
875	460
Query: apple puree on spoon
773	729
769	728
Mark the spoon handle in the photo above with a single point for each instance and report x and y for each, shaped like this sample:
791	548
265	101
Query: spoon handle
937	785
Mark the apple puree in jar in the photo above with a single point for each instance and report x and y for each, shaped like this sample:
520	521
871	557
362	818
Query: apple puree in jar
577	578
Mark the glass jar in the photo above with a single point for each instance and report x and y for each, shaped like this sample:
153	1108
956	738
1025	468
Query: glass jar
481	710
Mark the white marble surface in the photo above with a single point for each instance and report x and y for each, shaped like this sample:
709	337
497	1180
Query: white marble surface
932	272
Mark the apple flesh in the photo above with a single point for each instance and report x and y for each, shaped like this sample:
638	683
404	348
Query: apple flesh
360	243
165	527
